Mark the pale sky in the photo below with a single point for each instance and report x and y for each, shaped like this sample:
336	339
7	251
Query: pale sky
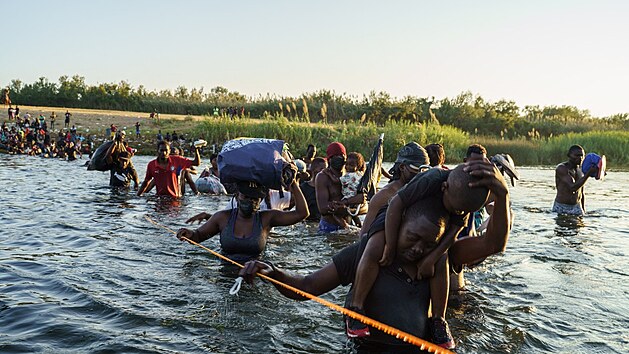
533	52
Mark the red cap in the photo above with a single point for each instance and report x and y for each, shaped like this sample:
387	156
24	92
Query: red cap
335	149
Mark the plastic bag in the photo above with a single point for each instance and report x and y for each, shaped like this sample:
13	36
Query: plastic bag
264	161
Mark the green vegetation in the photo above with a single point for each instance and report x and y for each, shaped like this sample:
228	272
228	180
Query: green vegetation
551	151
533	135
356	137
469	112
362	137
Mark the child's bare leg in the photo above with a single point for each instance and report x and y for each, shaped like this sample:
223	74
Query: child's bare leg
439	287
368	268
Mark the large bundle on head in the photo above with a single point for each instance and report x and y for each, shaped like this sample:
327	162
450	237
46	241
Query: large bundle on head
264	161
99	158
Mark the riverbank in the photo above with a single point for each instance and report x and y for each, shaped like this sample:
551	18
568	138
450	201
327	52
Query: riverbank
356	136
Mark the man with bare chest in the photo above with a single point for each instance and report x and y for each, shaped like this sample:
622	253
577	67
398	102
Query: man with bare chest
334	214
570	180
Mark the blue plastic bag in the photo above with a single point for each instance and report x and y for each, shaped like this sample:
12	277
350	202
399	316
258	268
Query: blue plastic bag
257	160
590	160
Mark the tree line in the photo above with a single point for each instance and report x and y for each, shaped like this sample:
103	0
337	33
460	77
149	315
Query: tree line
467	111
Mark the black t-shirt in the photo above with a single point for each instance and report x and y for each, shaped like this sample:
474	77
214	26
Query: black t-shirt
311	199
395	299
422	185
427	184
122	177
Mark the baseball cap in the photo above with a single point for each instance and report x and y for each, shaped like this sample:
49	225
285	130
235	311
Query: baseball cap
414	156
506	165
301	165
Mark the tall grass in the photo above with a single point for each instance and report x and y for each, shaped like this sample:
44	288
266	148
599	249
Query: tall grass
362	137
355	136
551	151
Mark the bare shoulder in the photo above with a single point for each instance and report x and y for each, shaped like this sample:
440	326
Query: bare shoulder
221	215
383	196
561	167
322	179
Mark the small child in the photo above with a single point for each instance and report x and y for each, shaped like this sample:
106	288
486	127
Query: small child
459	199
355	169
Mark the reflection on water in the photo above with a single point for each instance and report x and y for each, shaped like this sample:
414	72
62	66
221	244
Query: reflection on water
81	270
568	225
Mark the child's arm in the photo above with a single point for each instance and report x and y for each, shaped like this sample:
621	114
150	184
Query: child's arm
427	264
421	186
391	229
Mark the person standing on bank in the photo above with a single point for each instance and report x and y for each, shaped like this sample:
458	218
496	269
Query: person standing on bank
569	180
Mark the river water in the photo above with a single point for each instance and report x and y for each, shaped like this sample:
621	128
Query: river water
83	271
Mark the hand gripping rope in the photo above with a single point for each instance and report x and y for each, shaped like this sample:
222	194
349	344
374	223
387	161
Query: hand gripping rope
406	337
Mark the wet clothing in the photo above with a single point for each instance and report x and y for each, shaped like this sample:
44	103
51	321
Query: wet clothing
326	227
427	184
311	199
395	298
242	249
422	185
122	177
568	209
167	180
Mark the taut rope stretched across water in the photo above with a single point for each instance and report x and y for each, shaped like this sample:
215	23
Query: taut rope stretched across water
407	337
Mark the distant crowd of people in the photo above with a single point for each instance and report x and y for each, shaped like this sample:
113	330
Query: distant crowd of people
36	136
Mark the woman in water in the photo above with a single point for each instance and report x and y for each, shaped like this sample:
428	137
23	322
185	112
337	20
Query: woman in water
244	230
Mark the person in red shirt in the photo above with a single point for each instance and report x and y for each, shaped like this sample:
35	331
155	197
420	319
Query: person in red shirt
165	169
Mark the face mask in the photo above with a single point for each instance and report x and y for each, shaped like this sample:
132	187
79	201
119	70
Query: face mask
246	207
337	162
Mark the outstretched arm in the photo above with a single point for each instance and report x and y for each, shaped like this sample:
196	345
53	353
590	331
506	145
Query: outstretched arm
207	230
285	218
144	187
197	157
317	283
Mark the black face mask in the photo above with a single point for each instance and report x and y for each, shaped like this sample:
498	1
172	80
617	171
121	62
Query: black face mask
337	162
247	207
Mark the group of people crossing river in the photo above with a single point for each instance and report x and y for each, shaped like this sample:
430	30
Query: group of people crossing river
419	231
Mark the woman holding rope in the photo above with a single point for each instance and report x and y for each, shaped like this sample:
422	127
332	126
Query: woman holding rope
244	230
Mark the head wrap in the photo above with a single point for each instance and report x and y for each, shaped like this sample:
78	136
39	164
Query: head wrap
335	149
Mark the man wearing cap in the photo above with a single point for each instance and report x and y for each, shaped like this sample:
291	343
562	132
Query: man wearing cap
164	170
334	214
411	159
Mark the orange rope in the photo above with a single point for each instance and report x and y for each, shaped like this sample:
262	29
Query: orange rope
406	337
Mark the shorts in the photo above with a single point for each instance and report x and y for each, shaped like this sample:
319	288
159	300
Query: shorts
569	209
326	227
